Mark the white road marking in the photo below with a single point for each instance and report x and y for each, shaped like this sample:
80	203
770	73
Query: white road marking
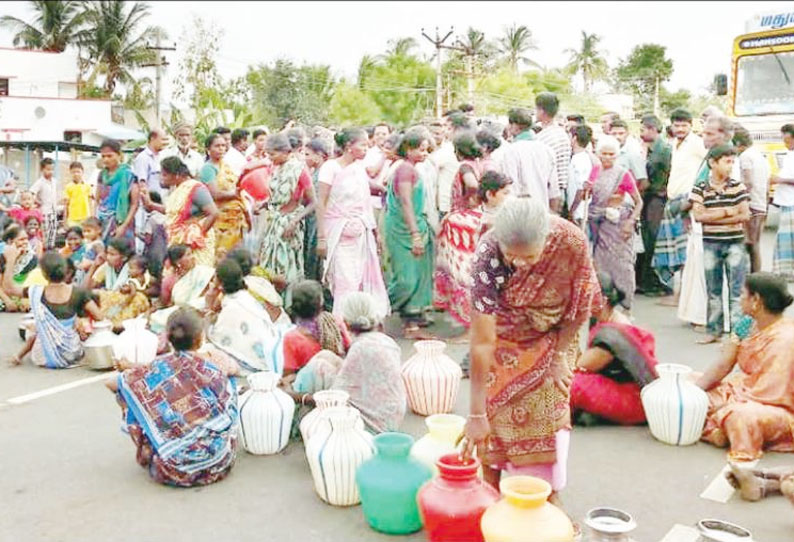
720	490
681	533
58	389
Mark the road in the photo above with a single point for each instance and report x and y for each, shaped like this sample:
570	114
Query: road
69	474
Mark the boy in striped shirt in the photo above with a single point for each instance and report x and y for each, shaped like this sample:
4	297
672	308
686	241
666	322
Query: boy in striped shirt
722	206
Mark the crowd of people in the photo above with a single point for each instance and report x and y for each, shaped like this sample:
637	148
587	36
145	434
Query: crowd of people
288	255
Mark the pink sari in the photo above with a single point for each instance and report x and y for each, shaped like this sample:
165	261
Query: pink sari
352	264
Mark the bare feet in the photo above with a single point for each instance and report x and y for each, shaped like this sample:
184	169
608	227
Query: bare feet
668	301
709	339
412	332
15	361
787	488
698	329
750	486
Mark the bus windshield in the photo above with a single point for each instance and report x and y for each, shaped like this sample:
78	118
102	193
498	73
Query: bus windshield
765	84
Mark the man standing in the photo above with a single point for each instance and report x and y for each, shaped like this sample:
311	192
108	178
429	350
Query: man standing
654	196
235	156
722	206
628	158
532	167
183	135
783	263
687	156
376	165
520	124
45	192
546	107
146	168
445	162
755	177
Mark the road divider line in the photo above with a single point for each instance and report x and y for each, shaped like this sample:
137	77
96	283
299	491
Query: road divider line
58	389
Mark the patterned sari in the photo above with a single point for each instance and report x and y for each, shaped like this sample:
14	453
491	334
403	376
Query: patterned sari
753	409
181	413
233	219
182	228
279	254
57	343
114	199
312	263
115	305
188	290
539	310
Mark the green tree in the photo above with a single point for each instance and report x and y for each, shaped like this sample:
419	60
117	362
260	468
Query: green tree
668	101
198	69
365	66
402	87
56	25
517	40
588	60
640	71
501	90
116	40
351	106
401	47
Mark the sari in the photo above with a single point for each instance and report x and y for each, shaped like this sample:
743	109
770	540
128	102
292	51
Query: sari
312	263
613	254
309	337
183	228
462	195
181	413
57	343
411	278
233	219
457	244
614	393
279	254
114	199
753	409
117	306
353	264
245	332
539	310
188	290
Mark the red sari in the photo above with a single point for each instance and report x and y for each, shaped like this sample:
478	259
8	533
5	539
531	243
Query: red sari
538	310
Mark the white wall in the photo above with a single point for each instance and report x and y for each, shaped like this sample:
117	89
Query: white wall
36	73
59	115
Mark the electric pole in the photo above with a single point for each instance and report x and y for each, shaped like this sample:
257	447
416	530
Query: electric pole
439	44
159	63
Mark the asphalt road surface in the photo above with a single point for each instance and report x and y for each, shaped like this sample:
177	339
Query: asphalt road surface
68	473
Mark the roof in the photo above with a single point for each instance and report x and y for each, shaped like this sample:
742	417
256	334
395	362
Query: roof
120	132
49	146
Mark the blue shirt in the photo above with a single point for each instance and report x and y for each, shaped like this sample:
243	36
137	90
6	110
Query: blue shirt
147	168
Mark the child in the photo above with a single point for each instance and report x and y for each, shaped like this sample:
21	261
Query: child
77	196
45	190
33	229
20	213
74	251
92	232
154	235
139	276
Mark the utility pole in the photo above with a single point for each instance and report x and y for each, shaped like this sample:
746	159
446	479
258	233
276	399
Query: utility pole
439	44
159	63
656	98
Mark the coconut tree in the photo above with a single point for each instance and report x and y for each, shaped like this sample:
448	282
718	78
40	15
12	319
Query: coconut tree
588	60
117	39
56	25
401	47
516	41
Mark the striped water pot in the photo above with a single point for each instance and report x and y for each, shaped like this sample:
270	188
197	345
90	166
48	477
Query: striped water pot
265	415
323	399
674	406
431	379
335	451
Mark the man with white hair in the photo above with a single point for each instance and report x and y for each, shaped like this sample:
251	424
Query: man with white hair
183	137
534	287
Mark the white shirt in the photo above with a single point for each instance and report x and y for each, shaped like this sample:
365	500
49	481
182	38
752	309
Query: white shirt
560	142
147	169
45	192
578	173
192	159
687	157
446	164
235	160
372	159
532	168
753	161
784	193
429	175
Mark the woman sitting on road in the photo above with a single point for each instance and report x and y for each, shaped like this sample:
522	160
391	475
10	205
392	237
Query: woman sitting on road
620	360
180	411
55	307
17	260
370	372
753	409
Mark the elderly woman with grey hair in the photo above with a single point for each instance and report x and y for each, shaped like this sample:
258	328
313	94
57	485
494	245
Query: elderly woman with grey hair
615	207
370	372
534	288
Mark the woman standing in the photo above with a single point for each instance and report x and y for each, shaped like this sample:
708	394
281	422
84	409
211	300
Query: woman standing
233	220
534	288
348	239
316	154
612	221
467	179
408	239
489	142
457	242
180	411
117	193
190	211
292	198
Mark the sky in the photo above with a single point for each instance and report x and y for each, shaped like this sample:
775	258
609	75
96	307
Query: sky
698	35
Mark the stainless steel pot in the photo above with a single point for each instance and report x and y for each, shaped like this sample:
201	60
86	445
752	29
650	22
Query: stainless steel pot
99	347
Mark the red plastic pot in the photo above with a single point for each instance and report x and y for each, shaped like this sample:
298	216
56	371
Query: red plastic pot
257	183
452	504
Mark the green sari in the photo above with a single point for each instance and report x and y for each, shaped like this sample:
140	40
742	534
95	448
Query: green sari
410	280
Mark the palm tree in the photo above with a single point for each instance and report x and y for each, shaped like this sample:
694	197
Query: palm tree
365	67
516	41
588	60
116	42
401	47
57	25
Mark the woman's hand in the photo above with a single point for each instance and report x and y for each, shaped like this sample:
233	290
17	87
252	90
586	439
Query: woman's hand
475	432
289	231
12	306
322	248
562	376
627	228
418	248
